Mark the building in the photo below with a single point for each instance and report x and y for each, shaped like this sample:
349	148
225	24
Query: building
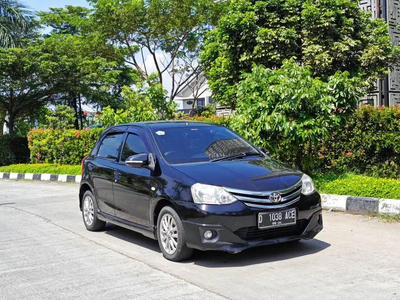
387	91
197	89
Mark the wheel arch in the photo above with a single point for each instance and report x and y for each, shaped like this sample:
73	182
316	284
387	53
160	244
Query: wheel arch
82	190
157	209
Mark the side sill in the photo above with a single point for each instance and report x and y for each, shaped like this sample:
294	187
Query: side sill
146	231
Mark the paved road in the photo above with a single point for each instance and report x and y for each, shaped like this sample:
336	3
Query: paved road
45	253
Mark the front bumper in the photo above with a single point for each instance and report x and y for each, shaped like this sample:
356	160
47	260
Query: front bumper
236	230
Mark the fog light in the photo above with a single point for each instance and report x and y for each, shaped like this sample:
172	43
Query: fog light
208	235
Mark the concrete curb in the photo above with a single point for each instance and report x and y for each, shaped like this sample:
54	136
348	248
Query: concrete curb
360	205
355	205
42	177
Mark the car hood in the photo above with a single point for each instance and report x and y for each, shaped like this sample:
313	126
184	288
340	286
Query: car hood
263	174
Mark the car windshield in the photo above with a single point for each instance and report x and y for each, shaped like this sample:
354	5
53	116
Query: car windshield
201	143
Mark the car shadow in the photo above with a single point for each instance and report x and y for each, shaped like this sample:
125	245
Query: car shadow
219	259
131	237
257	255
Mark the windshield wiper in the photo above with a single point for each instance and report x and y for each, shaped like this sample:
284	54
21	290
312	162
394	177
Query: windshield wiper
237	155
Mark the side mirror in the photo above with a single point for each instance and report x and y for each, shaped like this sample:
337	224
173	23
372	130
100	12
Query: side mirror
141	160
137	160
263	150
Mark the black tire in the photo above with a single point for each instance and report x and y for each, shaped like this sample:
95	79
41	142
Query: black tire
172	240
89	213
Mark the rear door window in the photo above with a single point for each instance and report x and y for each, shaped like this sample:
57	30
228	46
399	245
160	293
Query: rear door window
111	146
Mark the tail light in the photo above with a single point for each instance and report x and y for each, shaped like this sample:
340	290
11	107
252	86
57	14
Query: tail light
83	162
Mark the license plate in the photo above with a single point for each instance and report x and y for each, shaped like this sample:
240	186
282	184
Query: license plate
277	218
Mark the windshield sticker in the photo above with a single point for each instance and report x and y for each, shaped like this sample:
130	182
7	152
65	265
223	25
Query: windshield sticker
160	132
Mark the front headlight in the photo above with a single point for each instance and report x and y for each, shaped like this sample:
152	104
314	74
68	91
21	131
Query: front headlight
210	194
308	185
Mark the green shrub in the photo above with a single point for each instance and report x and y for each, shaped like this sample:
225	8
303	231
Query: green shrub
145	104
69	146
226	121
42	168
368	144
61	146
357	185
13	149
62	117
290	112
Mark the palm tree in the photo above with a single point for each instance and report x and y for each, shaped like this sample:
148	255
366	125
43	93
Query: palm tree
15	21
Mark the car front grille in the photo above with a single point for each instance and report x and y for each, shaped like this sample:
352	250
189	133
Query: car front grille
261	199
254	233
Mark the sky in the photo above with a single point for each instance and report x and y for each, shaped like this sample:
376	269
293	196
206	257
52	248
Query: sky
44	5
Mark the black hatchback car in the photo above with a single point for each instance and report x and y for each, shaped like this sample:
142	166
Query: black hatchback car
194	185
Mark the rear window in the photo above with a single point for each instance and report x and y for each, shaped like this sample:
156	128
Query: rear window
199	143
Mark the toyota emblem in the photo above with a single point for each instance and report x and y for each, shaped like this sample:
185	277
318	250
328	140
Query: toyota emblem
275	197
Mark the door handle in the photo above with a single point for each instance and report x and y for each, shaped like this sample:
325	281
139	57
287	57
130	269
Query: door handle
117	175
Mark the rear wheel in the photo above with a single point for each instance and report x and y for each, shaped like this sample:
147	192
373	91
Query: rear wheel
89	213
171	235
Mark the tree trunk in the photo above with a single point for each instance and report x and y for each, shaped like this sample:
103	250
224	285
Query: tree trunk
11	124
74	104
299	156
80	110
6	125
193	106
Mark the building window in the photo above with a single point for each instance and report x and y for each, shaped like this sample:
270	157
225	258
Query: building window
201	102
210	100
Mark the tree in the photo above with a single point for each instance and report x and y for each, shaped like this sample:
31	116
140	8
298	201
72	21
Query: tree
62	117
83	75
68	20
15	21
137	108
25	84
92	70
290	111
327	36
160	35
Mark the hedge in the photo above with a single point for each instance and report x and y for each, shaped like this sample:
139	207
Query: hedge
368	144
211	119
13	149
42	168
69	146
357	185
60	146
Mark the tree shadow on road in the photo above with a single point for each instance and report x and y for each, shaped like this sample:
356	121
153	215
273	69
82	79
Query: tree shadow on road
257	255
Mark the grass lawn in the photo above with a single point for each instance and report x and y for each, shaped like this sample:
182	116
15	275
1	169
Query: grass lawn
357	185
388	218
42	168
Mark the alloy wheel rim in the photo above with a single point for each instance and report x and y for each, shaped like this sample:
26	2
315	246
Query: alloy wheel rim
88	210
169	233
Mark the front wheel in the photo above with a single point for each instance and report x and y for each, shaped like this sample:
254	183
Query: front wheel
171	235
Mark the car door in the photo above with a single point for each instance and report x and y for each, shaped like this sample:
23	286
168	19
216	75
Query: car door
102	169
132	189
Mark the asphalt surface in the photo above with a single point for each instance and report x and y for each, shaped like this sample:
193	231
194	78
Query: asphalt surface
46	253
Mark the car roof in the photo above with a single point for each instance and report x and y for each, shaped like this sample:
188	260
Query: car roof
168	124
